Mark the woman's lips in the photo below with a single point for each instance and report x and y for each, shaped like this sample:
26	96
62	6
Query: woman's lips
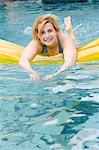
48	40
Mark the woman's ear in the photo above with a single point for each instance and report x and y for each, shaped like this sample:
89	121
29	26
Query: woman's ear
38	37
57	32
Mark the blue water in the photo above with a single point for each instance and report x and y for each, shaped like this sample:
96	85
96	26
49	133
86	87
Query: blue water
61	113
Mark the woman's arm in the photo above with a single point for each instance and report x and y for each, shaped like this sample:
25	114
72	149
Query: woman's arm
27	56
69	54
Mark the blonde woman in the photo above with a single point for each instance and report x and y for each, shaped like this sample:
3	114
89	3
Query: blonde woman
48	39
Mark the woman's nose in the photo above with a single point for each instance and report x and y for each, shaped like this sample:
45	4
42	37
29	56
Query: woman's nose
47	34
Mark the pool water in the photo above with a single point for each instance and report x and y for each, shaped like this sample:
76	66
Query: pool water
63	112
59	114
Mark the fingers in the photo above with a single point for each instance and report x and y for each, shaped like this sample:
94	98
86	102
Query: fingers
37	77
34	76
48	77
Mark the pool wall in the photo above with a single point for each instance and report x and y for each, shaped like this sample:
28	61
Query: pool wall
59	1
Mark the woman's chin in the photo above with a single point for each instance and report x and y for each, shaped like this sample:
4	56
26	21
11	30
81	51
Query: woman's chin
50	43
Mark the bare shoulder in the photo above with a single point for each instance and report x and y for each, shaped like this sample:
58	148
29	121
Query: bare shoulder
31	50
34	45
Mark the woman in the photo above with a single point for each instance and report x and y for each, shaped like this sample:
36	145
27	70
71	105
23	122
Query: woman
48	38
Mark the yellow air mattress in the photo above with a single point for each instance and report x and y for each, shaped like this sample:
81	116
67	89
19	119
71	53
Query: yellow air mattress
10	53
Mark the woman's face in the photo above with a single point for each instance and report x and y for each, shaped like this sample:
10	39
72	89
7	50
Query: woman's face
48	36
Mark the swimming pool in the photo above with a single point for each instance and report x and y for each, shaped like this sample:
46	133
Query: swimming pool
62	113
17	18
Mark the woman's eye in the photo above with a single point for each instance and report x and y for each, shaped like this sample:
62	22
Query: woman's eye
50	30
43	32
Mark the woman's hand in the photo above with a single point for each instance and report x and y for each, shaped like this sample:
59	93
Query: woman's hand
55	74
49	76
34	75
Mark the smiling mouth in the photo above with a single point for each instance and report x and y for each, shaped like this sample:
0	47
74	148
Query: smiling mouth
48	40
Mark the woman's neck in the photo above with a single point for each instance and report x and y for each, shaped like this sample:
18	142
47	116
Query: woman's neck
53	51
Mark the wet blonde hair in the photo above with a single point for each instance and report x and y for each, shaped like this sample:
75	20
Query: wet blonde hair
41	21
